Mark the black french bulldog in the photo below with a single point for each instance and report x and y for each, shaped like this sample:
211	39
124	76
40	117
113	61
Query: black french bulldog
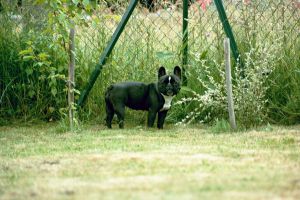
154	97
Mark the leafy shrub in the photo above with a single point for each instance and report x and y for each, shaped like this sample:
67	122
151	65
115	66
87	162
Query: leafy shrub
250	100
35	67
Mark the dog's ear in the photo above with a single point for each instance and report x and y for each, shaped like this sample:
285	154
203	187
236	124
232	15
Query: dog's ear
161	71
177	71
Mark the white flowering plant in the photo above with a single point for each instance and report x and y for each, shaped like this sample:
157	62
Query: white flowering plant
206	98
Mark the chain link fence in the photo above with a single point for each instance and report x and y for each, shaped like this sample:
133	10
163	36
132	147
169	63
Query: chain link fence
153	35
158	34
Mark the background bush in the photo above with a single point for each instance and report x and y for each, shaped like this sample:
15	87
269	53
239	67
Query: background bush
30	65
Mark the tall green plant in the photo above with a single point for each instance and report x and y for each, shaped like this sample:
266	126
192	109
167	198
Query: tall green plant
34	56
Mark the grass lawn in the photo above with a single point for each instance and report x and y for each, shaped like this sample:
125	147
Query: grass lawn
40	162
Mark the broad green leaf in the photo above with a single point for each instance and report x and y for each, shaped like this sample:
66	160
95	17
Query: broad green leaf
75	1
39	2
29	71
51	109
203	55
76	91
86	2
40	64
53	91
31	93
42	77
43	56
26	58
186	89
26	51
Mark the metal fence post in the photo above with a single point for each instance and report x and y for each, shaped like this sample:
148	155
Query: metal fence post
229	34
71	79
229	84
107	52
185	40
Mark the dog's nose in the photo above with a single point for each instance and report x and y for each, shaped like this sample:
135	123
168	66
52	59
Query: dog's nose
170	93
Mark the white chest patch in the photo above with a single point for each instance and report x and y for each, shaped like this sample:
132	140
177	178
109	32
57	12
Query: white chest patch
168	100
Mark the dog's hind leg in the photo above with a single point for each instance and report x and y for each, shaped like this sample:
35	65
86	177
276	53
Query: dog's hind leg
120	111
109	114
109	110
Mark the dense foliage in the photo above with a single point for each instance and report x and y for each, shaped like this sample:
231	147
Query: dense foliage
34	59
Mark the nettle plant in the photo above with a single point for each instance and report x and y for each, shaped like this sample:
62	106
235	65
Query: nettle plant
249	92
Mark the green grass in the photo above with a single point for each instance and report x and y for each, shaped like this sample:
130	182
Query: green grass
40	162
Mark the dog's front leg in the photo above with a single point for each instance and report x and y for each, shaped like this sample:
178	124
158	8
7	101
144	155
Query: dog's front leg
161	119
151	117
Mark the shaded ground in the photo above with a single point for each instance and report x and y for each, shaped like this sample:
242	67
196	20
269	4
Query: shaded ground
38	162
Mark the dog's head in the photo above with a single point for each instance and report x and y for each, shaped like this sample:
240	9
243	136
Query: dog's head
169	85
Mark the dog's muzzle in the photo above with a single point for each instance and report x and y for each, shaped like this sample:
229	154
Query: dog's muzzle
169	90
